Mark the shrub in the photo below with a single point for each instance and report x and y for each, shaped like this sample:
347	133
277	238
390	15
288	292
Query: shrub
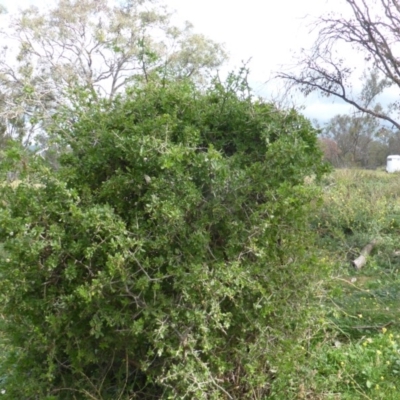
168	257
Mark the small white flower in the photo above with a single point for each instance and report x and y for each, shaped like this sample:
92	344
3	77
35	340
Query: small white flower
2	391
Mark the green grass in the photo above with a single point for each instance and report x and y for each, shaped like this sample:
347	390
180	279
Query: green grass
356	355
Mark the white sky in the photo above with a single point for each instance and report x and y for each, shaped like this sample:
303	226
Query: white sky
268	32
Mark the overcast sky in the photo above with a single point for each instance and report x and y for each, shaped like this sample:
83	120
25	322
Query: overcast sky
264	31
267	32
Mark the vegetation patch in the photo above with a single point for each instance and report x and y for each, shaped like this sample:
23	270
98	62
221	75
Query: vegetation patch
356	354
168	256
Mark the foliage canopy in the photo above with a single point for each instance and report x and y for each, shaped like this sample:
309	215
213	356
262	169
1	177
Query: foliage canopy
99	46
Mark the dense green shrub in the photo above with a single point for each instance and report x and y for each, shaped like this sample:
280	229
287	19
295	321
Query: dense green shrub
168	256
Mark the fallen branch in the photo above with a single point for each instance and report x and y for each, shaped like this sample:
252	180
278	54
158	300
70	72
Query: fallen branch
378	327
360	261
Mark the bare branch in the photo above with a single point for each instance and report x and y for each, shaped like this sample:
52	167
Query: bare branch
374	31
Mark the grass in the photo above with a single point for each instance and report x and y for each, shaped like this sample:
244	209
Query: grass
356	353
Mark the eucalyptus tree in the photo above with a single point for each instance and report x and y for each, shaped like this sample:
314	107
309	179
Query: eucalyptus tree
77	52
353	135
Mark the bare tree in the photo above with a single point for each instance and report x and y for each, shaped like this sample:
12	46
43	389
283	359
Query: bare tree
373	31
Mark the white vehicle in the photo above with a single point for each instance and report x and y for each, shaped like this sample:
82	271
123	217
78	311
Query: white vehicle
393	163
